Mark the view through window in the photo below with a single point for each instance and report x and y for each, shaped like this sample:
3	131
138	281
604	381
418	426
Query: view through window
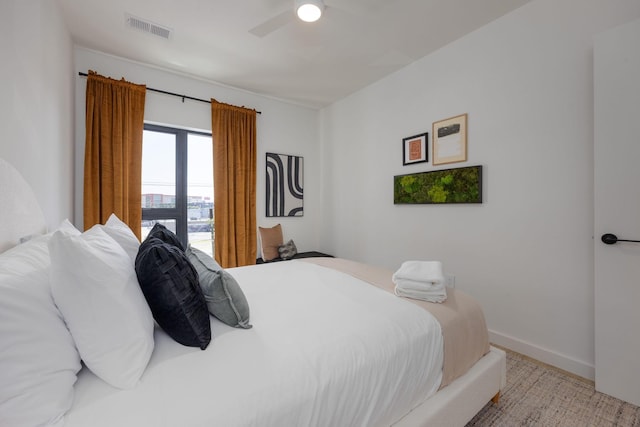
177	184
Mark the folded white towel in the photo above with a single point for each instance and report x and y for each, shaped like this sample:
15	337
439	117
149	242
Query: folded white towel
437	296
420	271
413	285
421	280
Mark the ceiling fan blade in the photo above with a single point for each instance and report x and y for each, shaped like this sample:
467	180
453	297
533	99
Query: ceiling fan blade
273	24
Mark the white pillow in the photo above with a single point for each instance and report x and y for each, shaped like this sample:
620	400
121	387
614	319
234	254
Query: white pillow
95	287
68	228
122	234
38	358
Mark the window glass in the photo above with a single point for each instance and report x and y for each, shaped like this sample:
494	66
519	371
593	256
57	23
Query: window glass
158	170
200	192
177	184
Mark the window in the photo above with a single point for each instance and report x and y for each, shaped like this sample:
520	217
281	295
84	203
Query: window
177	184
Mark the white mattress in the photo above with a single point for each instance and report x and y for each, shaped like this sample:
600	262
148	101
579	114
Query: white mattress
326	349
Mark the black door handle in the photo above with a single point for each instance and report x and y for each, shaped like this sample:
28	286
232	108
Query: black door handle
610	239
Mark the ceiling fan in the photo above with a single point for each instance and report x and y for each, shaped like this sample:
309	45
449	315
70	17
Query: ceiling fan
314	7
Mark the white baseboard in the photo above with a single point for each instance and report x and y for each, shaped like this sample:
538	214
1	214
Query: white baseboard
561	361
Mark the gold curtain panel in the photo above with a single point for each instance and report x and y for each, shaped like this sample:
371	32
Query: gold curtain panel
113	151
234	179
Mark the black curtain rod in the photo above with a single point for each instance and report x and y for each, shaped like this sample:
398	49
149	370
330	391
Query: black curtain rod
171	93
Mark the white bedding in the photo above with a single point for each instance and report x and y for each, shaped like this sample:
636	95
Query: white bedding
326	349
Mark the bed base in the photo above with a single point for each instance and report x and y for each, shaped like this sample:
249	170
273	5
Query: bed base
460	401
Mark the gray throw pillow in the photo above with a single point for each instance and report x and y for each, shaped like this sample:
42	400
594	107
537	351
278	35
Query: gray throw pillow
288	250
225	300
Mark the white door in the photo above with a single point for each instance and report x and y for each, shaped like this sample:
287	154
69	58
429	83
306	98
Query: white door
617	211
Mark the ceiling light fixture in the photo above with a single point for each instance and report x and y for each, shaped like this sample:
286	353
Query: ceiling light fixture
309	10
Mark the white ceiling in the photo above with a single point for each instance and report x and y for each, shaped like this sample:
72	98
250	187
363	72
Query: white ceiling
355	43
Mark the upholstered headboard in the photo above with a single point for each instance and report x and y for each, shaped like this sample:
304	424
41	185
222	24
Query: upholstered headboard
20	213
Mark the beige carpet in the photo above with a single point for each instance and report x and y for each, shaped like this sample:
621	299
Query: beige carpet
539	395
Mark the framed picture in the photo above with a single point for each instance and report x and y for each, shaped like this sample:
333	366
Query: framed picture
459	185
414	149
284	189
450	140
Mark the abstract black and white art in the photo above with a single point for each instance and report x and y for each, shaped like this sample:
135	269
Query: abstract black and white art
284	185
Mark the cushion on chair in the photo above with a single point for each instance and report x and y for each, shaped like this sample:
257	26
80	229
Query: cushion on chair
288	250
271	239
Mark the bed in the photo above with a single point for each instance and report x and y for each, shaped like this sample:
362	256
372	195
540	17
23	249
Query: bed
330	346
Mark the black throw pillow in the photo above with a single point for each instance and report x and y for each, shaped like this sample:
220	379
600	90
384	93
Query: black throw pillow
161	232
170	285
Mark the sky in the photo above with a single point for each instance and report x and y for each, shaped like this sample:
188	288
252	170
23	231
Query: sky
159	164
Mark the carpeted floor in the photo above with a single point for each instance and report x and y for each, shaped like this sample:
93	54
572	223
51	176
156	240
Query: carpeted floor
540	395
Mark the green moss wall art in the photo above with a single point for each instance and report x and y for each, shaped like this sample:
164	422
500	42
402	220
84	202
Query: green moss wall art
458	185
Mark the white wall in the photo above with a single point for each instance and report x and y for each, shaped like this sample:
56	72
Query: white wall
281	128
526	253
36	102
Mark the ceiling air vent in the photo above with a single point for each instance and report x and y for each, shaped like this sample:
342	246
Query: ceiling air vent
147	27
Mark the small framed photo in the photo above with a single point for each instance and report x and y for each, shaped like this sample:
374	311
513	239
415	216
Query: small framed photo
414	149
450	140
